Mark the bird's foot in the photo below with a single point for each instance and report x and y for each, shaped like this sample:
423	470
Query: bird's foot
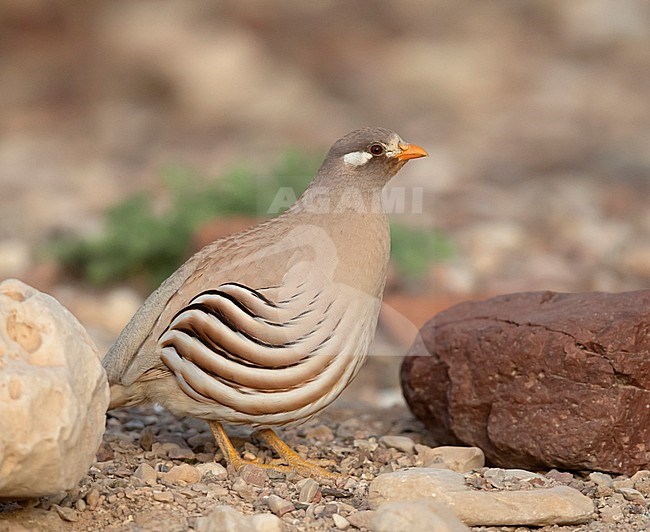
294	462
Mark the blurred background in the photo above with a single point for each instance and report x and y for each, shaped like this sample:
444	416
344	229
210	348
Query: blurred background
134	131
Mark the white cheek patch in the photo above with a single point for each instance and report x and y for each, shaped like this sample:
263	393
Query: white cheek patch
357	158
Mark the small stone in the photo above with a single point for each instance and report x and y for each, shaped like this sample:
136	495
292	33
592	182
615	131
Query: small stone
308	491
416	516
244	490
158	450
622	482
80	505
147	474
340	522
362	518
67	514
212	468
561	477
181	453
254	475
163	496
631	494
183	473
265	523
642	482
459	459
92	499
602	480
401	443
279	506
499	478
146	439
225	518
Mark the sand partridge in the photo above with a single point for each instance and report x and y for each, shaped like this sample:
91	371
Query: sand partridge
266	327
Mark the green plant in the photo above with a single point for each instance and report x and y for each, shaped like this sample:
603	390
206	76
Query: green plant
413	250
139	242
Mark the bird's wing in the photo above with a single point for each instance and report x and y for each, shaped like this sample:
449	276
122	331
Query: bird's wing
260	354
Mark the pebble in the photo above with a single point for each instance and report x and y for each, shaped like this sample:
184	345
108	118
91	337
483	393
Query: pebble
67	514
340	522
502	478
265	523
416	516
225	518
254	475
212	468
631	494
642	482
245	491
163	496
279	506
182	473
181	453
308	491
601	479
561	477
80	505
459	459
147	439
147	474
361	518
401	443
92	498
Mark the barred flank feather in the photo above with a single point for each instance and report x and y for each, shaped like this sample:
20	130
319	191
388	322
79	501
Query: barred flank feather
236	348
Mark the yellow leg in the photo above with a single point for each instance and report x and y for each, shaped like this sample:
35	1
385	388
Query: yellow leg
294	461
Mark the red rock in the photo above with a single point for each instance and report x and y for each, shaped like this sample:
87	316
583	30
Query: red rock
539	380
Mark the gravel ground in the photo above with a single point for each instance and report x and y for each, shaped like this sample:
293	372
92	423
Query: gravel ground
148	477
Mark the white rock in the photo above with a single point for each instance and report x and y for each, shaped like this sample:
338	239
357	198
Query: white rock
416	516
340	522
459	459
533	507
213	468
227	519
53	394
401	443
264	523
499	477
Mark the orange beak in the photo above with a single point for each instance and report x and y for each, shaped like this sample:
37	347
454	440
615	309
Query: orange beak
410	151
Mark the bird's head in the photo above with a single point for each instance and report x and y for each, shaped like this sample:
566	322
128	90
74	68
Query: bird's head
373	151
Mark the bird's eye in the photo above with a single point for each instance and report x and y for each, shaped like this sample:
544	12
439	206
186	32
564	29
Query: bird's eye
376	149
